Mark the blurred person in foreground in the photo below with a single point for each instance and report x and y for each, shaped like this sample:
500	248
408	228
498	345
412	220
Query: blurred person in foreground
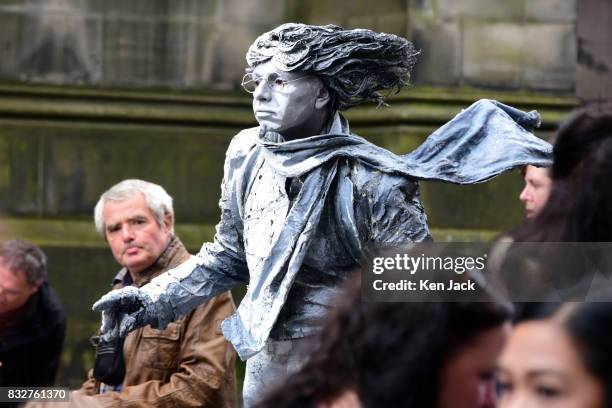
188	363
558	355
404	355
32	320
538	184
302	194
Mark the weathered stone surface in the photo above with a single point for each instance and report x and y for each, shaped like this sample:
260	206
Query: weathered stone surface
594	71
249	13
492	203
487	9
594	54
441	52
21	182
551	10
550	57
79	164
493	53
594	18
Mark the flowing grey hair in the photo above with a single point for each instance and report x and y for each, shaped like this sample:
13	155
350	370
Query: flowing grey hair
158	201
354	64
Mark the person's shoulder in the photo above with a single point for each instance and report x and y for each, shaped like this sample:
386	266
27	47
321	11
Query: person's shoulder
243	142
51	309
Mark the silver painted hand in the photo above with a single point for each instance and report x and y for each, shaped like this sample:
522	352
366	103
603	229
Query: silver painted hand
124	310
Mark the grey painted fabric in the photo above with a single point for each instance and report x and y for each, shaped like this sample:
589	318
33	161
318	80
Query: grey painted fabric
295	215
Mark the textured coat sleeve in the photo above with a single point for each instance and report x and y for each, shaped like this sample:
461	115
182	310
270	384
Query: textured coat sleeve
201	372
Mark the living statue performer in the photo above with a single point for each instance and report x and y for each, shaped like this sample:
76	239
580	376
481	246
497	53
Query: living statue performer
302	195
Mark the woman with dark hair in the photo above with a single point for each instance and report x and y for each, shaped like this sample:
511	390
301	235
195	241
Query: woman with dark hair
579	208
400	355
559	355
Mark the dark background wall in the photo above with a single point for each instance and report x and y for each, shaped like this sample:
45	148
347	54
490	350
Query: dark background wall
93	91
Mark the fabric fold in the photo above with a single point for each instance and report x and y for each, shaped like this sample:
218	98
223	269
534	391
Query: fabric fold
479	143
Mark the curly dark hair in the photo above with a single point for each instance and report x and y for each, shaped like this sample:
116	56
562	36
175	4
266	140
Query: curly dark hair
353	64
391	354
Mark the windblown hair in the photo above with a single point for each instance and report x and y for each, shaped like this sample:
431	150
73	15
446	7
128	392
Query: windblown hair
157	199
21	256
580	203
353	64
390	354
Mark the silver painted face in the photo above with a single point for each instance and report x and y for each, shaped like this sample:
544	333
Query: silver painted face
295	111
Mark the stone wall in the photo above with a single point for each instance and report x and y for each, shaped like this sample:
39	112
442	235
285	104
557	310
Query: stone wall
200	44
594	70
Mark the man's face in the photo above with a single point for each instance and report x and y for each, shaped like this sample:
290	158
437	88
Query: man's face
135	238
537	189
296	110
14	289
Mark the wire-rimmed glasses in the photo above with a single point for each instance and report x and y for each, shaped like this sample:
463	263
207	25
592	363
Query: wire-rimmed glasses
274	81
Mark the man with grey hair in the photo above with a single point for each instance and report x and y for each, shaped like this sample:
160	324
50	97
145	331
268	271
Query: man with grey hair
188	363
302	196
32	321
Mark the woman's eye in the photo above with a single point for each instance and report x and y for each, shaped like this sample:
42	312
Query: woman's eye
547	392
503	387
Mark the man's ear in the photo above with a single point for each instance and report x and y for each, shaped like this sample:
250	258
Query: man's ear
323	98
168	221
35	288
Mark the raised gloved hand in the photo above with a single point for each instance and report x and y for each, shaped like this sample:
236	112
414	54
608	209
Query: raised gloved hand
124	310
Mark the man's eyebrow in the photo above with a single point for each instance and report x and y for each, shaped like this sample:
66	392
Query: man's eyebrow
137	217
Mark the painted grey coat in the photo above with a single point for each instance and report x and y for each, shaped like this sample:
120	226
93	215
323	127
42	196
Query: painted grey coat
295	216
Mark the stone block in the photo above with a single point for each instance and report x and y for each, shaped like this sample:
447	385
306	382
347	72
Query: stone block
594	71
227	53
9	46
492	53
502	10
425	8
594	18
491	205
551	10
78	164
440	45
253	12
549	61
393	23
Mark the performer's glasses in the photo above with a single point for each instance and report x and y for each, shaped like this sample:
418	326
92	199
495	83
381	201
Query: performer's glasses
274	81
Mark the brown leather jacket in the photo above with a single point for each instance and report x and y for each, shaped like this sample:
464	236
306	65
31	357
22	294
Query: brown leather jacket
189	363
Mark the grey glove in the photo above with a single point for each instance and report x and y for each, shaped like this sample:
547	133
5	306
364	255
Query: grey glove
124	310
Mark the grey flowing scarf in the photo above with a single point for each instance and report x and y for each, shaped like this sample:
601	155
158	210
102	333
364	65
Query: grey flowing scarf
481	142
